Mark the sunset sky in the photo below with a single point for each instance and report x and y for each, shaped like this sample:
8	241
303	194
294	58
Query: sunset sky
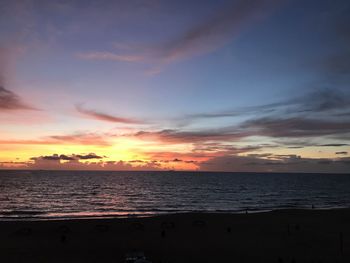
225	85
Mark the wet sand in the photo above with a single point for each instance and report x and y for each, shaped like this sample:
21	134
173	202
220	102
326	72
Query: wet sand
278	236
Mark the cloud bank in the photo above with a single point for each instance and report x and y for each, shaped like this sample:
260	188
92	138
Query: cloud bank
285	164
63	157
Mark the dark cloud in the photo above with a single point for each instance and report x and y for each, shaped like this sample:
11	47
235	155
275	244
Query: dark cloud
136	161
333	145
341	153
287	163
175	160
72	162
54	157
219	147
11	101
168	156
285	156
295	127
177	136
299	118
276	127
105	117
325	101
296	143
66	157
88	156
63	157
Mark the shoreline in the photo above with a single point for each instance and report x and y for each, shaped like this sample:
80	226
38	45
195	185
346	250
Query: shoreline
157	214
291	234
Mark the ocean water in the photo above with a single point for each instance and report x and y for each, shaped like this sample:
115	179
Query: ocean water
72	194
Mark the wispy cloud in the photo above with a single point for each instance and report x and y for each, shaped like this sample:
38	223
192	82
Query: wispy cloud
295	127
317	101
8	99
80	139
216	30
110	56
306	116
178	136
227	148
273	127
322	101
206	36
11	101
73	139
298	143
93	114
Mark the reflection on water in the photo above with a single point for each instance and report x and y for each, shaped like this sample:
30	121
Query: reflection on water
66	194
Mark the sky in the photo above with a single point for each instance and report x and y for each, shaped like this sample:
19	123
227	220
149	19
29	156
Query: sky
226	85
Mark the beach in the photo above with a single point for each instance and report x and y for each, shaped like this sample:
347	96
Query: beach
276	236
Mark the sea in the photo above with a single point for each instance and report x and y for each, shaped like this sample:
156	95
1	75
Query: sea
46	195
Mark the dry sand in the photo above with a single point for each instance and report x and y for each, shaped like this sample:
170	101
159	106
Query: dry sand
279	236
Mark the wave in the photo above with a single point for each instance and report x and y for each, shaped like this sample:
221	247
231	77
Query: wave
21	212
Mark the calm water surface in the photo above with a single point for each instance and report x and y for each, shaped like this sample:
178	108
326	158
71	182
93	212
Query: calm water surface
69	194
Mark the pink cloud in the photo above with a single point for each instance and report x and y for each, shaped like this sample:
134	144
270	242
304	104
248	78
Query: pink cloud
75	139
102	55
92	114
